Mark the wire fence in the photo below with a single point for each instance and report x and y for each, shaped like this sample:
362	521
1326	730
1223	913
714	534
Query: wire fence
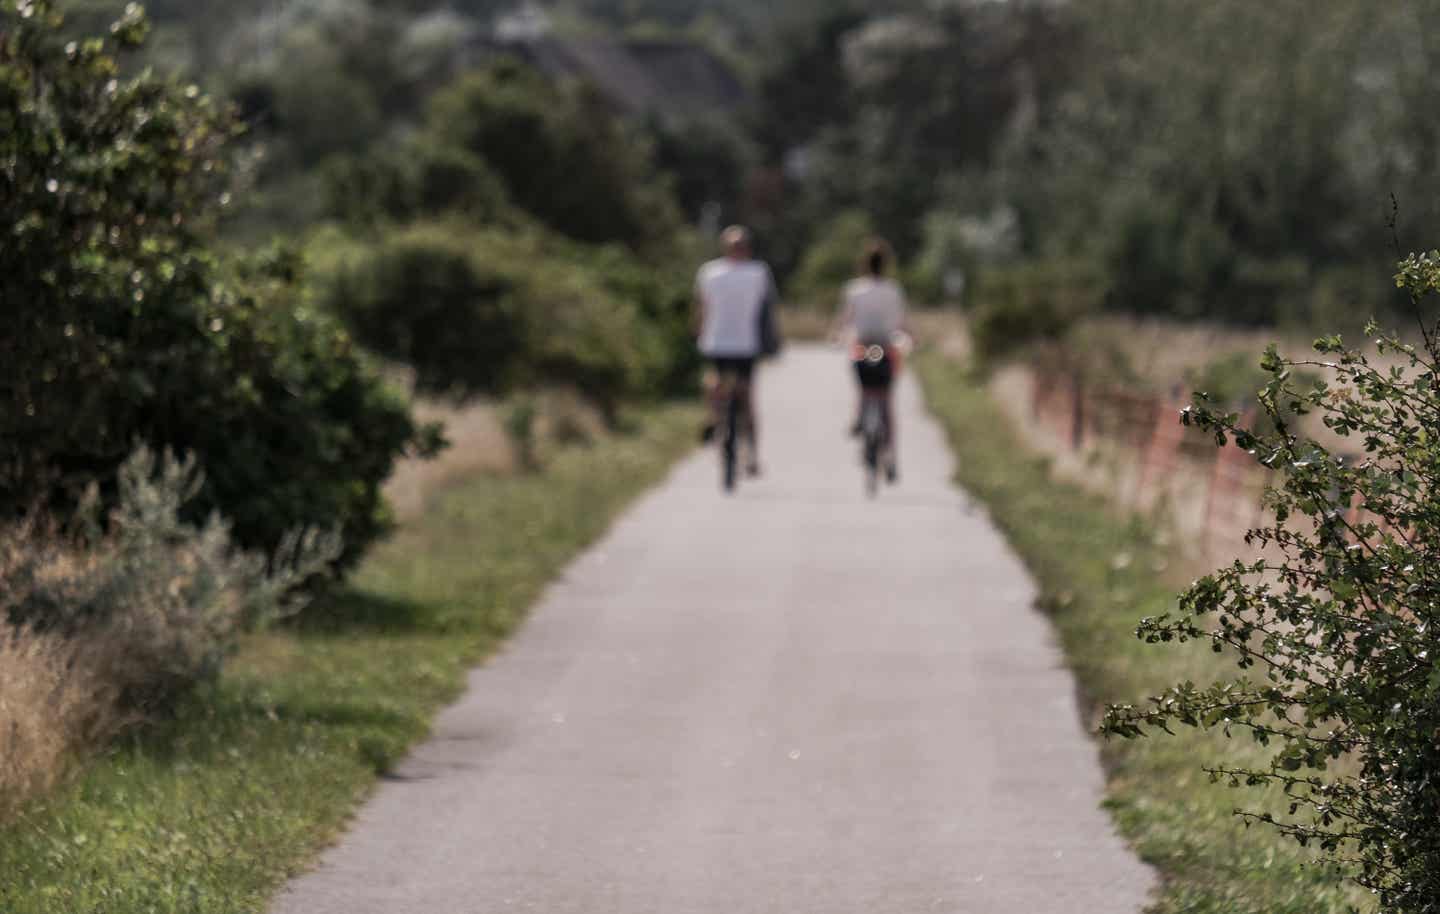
1132	447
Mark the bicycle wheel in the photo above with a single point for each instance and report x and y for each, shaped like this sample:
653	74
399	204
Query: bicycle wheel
730	444
872	426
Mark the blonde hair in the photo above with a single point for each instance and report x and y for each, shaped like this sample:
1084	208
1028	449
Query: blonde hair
736	239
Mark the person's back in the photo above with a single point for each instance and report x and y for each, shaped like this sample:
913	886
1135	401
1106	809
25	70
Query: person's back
734	293
874	309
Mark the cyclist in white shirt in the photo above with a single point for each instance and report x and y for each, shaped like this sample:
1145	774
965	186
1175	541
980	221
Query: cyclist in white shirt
872	313
732	293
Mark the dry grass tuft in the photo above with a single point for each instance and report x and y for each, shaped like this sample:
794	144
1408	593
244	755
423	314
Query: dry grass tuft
943	329
481	443
53	706
806	324
101	626
478	444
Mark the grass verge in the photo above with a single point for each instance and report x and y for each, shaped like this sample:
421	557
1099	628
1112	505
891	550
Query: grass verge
1100	573
211	812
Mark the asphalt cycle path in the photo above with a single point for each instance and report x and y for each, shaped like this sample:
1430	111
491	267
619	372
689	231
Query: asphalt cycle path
795	700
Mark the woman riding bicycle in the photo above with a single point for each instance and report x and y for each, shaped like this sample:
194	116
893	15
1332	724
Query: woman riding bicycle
872	314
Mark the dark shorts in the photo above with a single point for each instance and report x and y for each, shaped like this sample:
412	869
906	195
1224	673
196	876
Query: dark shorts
743	369
875	375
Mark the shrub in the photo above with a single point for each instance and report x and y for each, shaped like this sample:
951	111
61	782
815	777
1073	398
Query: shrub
1336	630
562	154
52	705
520	422
155	603
590	339
417	180
423	296
1015	306
831	260
663	300
484	311
954	244
122	327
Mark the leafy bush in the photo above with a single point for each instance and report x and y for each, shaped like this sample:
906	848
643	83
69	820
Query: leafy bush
563	155
831	260
1015	306
955	244
708	158
1336	629
419	179
162	601
520	421
482	311
122	327
422	296
591	339
663	300
323	104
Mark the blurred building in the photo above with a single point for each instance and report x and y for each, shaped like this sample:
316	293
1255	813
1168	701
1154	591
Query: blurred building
670	79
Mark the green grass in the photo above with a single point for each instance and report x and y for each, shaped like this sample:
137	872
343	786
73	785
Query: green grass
1100	574
214	810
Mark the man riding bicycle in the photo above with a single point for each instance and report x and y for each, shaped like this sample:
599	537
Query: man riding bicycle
872	320
733	294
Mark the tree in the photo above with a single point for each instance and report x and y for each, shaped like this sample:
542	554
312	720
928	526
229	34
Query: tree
562	154
1337	634
1209	177
890	111
122	327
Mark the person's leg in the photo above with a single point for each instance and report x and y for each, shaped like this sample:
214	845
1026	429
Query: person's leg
719	382
712	392
860	393
745	377
892	434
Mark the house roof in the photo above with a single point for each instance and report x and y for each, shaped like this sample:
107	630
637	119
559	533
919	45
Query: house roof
667	78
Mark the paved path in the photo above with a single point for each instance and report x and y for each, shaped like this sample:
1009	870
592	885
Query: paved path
794	701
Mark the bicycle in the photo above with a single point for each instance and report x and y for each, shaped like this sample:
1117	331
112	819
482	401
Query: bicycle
877	366
874	419
736	416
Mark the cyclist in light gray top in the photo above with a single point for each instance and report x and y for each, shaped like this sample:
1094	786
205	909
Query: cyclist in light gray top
732	293
872	313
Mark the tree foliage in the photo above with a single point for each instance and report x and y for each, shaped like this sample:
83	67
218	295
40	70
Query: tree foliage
831	260
1335	627
505	245
1247	181
904	112
479	310
562	154
121	326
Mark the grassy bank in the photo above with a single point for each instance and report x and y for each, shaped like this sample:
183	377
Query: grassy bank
1100	574
212	811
